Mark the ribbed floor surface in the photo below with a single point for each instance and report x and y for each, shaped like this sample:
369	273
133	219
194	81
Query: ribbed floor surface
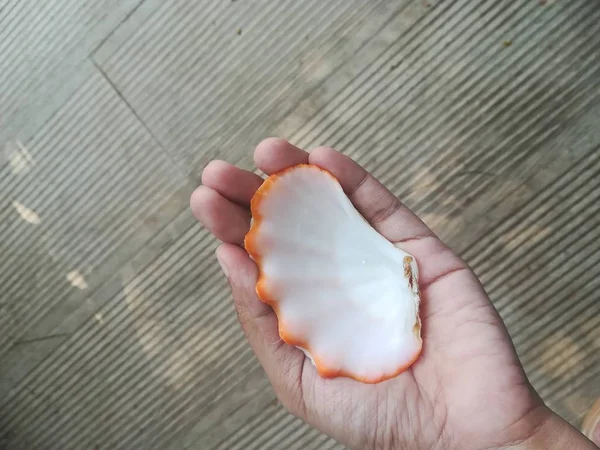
116	329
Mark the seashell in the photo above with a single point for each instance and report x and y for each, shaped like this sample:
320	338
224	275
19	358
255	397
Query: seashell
343	294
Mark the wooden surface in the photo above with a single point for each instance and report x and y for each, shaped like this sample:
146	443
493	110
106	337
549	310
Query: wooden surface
116	328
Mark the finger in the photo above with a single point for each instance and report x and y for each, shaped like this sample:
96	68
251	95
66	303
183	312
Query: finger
390	217
235	184
282	363
379	206
274	154
255	316
225	220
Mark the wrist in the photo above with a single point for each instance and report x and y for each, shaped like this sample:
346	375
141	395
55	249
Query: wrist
553	432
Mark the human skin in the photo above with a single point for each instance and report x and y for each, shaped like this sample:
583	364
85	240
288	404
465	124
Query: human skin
466	391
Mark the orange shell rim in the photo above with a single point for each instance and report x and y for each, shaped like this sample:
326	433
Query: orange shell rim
266	297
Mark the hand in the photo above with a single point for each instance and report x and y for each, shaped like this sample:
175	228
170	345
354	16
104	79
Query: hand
467	390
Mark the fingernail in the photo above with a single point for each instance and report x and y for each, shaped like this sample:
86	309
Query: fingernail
222	264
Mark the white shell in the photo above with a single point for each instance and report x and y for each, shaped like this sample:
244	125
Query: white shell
343	293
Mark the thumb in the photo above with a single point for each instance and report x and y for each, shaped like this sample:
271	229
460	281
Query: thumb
282	363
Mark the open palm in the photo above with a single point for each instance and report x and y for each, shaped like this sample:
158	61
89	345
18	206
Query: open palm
467	389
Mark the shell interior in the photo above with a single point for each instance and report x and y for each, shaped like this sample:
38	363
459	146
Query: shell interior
343	294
